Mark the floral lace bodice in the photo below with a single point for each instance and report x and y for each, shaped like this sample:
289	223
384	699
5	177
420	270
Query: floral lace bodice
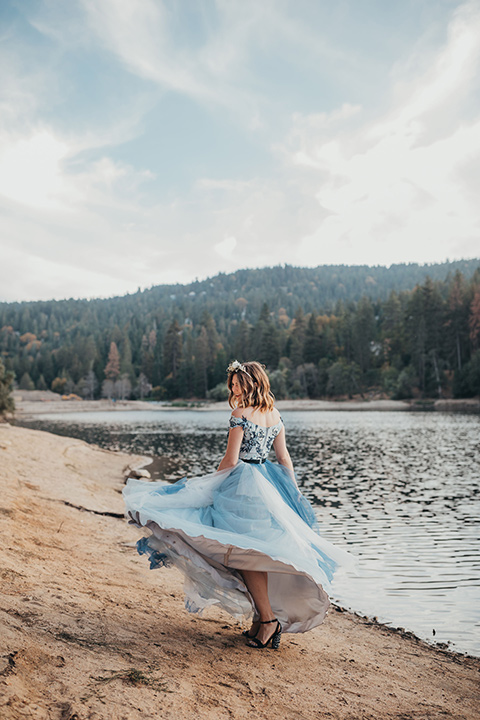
257	440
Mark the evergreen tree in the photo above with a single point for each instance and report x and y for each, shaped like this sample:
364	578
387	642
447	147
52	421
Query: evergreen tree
457	321
241	346
312	351
26	382
296	341
474	320
424	332
201	363
264	340
172	357
363	334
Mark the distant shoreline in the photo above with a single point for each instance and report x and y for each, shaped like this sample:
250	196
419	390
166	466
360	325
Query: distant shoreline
32	403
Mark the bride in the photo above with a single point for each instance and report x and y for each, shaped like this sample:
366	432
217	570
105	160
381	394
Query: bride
244	536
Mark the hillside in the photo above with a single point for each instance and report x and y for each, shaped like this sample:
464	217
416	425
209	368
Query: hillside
329	330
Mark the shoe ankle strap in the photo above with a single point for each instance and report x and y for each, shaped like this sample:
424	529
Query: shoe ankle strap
266	622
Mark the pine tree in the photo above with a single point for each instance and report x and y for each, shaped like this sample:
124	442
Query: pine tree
474	320
457	320
363	333
296	342
312	350
26	382
172	350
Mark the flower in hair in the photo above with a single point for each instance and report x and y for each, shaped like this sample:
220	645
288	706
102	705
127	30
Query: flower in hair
235	366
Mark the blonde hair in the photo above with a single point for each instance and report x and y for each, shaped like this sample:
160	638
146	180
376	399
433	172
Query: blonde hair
255	386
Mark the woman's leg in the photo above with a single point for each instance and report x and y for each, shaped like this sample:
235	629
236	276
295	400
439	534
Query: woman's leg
257	584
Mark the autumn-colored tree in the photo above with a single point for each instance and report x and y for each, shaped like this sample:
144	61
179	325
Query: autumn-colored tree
112	368
58	385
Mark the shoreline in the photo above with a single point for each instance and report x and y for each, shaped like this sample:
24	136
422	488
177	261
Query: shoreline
32	403
90	632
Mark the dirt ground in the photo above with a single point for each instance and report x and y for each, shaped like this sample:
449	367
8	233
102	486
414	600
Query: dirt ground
88	631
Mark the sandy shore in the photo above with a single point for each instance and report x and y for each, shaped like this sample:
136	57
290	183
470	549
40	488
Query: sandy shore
33	403
88	632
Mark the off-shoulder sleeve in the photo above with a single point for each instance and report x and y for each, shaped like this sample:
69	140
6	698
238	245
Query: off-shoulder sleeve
237	421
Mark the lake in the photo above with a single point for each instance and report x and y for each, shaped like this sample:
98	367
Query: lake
399	490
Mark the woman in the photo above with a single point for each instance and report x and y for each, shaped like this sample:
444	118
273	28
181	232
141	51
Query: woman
244	536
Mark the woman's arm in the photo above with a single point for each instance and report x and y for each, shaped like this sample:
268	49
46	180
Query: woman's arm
283	456
230	459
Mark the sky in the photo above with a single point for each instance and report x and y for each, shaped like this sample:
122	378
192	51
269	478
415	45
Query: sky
145	142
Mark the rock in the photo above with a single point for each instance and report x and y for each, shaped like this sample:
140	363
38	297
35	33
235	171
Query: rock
138	473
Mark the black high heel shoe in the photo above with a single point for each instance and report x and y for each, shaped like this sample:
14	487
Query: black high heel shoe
274	639
246	633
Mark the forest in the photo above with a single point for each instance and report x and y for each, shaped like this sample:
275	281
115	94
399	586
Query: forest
332	331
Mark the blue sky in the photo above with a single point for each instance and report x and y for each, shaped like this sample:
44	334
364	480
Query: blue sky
150	141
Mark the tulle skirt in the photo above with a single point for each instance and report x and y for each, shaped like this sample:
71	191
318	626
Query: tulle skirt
250	517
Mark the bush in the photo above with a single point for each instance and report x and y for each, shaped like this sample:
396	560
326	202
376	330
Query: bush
390	380
58	385
158	392
6	385
219	393
466	382
406	383
343	378
278	383
474	373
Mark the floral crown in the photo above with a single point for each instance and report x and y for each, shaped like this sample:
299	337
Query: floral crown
235	366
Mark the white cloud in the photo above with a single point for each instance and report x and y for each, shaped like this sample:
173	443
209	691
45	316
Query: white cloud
226	247
44	278
30	169
394	189
41	170
143	36
356	184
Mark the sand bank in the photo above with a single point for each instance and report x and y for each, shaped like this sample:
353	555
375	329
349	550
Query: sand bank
88	632
32	403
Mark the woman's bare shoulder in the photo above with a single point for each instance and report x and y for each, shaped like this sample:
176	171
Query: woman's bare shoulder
276	415
237	412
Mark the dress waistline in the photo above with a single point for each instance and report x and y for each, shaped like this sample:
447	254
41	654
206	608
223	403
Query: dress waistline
256	462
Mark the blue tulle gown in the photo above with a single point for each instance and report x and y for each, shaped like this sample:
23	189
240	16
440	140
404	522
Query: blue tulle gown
250	517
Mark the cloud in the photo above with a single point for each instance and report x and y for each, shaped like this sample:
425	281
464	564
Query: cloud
41	170
84	171
226	247
30	169
145	37
391	187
